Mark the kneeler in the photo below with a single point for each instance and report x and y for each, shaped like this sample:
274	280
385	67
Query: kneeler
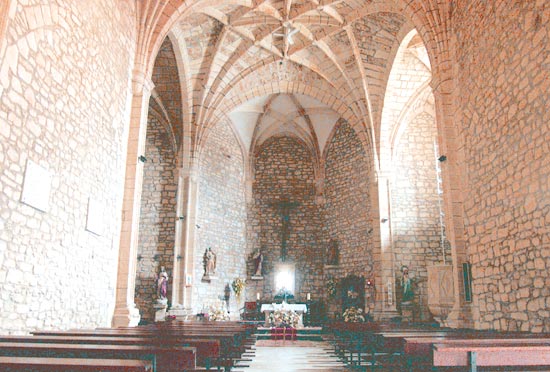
283	333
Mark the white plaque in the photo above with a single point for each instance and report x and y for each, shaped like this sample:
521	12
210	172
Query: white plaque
94	220
36	186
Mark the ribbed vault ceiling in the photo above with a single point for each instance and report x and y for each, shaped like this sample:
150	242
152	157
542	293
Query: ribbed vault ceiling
284	66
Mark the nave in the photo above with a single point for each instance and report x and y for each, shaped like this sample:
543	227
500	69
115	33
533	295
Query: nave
292	356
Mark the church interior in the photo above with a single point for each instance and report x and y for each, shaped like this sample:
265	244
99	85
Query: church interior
382	162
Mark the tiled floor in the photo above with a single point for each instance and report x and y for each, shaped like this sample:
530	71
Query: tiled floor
291	356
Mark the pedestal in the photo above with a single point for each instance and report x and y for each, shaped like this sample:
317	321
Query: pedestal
407	311
440	292
160	310
179	312
208	278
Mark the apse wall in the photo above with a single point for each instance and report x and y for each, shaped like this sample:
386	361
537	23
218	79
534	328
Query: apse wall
501	64
64	105
221	216
157	224
284	173
347	208
415	207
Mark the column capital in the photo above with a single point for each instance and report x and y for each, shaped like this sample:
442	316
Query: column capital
141	83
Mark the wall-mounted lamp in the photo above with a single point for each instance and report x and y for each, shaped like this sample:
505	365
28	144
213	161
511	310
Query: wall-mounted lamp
156	257
442	158
178	257
142	158
181	218
370	283
383	220
139	257
198	227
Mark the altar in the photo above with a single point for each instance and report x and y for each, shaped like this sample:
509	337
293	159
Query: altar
299	309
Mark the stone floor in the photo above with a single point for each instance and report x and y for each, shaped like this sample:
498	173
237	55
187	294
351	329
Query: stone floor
292	356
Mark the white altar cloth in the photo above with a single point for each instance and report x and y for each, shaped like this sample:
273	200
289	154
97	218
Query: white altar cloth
299	309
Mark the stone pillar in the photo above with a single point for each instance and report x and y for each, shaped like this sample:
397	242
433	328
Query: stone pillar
178	275
126	313
452	170
385	307
189	236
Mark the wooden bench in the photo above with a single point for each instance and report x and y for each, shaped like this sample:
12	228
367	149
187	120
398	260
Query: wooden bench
207	351
229	348
9	364
508	354
418	351
171	358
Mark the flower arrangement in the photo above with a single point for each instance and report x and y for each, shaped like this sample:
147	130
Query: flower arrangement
331	287
284	318
238	286
353	314
218	312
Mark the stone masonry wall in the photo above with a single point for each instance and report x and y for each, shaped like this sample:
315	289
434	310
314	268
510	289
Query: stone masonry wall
64	104
415	211
284	172
348	172
221	219
502	65
157	225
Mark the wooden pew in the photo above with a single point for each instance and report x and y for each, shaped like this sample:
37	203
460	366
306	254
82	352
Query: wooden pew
207	351
171	358
418	350
510	354
230	340
9	364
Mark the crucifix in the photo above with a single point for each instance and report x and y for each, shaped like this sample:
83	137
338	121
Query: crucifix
284	208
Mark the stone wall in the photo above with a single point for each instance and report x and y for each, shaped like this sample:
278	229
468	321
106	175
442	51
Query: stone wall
502	64
415	206
284	172
221	218
157	225
64	88
348	172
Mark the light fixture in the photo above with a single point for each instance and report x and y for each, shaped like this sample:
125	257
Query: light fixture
142	158
442	158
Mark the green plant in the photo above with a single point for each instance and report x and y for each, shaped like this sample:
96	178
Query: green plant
353	314
331	287
238	286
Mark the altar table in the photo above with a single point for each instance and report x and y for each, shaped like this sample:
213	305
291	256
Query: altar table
299	309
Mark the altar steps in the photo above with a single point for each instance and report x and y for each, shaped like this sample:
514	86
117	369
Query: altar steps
302	334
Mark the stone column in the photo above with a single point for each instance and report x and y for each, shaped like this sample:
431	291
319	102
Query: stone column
126	313
385	307
451	146
189	237
178	277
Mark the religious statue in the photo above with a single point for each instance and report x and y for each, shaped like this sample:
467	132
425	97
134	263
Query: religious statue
258	258
333	252
162	284
209	260
406	285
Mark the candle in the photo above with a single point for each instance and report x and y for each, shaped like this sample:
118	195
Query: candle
257	296
309	296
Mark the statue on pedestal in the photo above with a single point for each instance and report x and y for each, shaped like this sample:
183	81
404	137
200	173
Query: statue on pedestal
407	293
162	284
333	253
209	262
161	303
258	259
